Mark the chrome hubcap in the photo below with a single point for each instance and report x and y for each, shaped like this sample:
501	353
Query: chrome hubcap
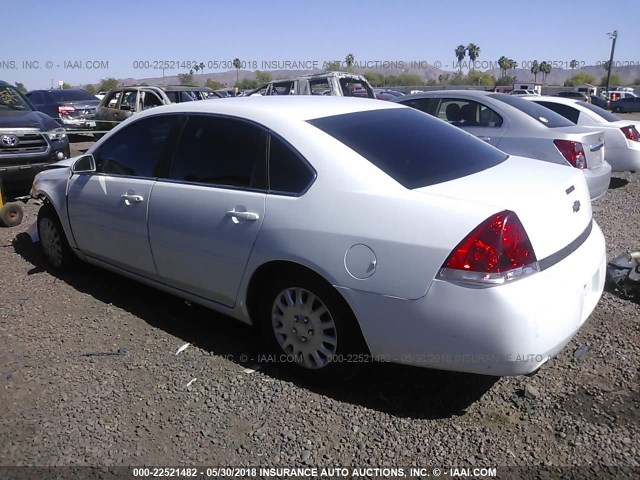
304	328
51	241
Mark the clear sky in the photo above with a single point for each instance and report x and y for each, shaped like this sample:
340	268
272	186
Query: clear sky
110	39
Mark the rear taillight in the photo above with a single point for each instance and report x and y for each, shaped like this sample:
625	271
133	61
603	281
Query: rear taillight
65	110
631	133
573	152
495	252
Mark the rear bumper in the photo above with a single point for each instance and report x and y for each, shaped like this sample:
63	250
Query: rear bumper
506	330
598	179
626	158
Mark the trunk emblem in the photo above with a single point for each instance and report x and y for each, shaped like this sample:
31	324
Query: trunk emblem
576	206
596	146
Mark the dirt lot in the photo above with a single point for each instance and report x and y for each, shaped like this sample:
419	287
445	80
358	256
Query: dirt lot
89	376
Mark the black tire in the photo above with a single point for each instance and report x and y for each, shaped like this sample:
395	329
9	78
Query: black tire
53	240
11	214
290	334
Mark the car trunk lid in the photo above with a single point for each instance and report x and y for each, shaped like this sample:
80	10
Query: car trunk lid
592	143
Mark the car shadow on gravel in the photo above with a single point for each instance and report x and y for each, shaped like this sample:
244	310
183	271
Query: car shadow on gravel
394	389
616	182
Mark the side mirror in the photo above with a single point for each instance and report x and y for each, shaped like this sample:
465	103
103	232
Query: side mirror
84	164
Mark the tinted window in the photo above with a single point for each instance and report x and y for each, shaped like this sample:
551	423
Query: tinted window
426	105
566	111
288	171
543	115
467	113
70	95
137	149
35	97
608	116
413	148
221	151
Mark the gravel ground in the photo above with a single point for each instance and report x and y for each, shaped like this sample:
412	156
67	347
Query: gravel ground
90	376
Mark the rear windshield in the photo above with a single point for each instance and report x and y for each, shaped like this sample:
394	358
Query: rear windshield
608	116
412	147
542	114
71	95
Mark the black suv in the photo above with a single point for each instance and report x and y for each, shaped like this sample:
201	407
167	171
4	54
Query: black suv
29	140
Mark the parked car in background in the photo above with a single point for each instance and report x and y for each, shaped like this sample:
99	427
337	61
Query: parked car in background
621	137
73	108
341	84
626	105
520	127
521	92
600	102
29	140
620	94
577	95
122	102
386	93
320	220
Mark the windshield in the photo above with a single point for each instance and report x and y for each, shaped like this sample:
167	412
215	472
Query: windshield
10	99
608	116
412	147
546	117
71	95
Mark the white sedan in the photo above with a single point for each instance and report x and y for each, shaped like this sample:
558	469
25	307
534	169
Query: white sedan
346	229
622	140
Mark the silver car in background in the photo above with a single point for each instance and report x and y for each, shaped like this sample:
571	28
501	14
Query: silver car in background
520	127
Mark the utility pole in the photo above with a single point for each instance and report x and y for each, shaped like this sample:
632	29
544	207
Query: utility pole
612	35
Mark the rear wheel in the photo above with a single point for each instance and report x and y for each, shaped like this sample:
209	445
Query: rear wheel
54	242
11	214
310	328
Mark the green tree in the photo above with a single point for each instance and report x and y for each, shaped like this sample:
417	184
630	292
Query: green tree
332	66
21	87
375	79
263	77
573	64
505	80
460	52
247	84
214	85
473	51
615	80
480	78
349	60
579	78
237	64
107	84
409	79
535	69
512	64
66	86
185	78
91	89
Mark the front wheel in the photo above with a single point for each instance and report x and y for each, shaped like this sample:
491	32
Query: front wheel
53	240
311	329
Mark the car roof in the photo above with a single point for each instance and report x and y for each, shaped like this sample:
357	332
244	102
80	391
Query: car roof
550	98
295	107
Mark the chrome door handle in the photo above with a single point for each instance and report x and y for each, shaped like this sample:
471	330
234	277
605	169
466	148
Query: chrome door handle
486	139
251	216
130	198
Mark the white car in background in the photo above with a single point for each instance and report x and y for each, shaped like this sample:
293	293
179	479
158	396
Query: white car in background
523	93
345	228
622	140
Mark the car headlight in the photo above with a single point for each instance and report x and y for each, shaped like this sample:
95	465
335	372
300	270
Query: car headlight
57	134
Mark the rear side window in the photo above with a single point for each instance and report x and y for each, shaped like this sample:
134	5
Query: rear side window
608	116
566	111
546	117
137	149
413	148
288	171
63	95
426	105
221	151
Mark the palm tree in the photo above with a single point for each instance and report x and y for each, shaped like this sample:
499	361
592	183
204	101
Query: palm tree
503	63
349	60
545	69
573	64
460	52
512	64
535	69
474	52
237	64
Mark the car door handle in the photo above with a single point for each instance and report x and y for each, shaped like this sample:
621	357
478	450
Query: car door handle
130	199
250	216
486	139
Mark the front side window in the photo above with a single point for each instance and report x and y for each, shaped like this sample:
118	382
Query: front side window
137	149
221	151
468	113
129	100
112	99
